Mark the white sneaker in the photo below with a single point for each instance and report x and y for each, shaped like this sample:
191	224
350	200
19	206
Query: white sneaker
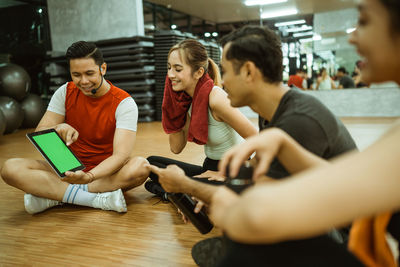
35	204
110	201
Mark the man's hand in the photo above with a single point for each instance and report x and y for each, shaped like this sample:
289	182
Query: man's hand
199	205
266	145
212	176
67	133
171	178
221	201
78	177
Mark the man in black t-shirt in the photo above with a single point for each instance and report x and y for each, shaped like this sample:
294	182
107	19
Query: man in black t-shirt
311	124
345	81
252	67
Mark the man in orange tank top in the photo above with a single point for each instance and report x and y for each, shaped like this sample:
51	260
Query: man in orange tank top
98	121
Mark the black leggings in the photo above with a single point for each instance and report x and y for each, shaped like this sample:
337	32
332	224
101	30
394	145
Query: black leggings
189	169
318	251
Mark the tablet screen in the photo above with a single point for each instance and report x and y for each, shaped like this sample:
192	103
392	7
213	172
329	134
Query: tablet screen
54	150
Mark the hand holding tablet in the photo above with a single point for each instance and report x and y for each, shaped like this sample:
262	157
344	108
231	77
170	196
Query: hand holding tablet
55	151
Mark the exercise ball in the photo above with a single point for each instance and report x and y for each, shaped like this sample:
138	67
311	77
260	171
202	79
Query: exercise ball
14	81
34	108
2	122
12	112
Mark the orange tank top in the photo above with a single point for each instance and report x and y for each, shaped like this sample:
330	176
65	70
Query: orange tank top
94	119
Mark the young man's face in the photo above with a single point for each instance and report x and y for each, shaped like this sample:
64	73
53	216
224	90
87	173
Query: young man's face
86	74
233	83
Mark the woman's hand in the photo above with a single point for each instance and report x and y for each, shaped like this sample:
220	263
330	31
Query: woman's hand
211	176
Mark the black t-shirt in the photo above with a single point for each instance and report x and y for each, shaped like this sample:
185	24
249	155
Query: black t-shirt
312	125
347	82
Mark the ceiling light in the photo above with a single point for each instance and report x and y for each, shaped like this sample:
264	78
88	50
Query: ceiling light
207	34
350	30
299	29
292	22
173	26
300	34
263	2
279	13
215	34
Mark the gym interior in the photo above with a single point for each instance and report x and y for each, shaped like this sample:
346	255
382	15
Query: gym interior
135	37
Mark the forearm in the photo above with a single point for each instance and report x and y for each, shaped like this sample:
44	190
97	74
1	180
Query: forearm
44	127
47	124
294	157
177	141
200	190
354	186
109	166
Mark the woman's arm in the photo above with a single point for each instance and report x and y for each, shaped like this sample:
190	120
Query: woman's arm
318	83
178	140
355	185
333	85
223	111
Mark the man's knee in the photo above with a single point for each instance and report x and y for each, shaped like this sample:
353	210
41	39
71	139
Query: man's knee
10	170
138	167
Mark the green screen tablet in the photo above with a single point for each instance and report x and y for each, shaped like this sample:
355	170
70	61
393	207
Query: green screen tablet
55	151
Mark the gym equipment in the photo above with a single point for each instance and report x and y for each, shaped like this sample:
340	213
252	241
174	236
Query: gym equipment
130	66
13	113
34	108
2	123
186	204
242	180
14	81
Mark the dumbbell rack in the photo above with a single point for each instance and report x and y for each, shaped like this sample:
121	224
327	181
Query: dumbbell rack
55	73
130	66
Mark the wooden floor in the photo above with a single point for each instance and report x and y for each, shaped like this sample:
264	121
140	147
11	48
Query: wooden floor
151	233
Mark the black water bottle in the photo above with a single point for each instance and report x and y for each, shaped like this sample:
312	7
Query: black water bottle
242	180
186	204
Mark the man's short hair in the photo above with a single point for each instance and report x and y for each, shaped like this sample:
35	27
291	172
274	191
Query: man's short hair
259	45
82	49
342	69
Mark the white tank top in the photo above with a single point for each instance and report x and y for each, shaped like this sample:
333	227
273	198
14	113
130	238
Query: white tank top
221	137
325	84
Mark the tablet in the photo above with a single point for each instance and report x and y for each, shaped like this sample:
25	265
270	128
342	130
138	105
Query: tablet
55	151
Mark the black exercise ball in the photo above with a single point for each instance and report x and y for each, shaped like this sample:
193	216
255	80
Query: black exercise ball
2	122
12	112
14	81
34	108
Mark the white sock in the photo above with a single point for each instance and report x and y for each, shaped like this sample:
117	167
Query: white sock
84	187
78	196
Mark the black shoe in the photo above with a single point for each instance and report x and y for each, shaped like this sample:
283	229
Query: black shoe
208	252
155	188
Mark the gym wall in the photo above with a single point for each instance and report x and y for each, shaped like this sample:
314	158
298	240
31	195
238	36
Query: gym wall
74	20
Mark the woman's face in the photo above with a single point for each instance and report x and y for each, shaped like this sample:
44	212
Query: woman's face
376	43
180	73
